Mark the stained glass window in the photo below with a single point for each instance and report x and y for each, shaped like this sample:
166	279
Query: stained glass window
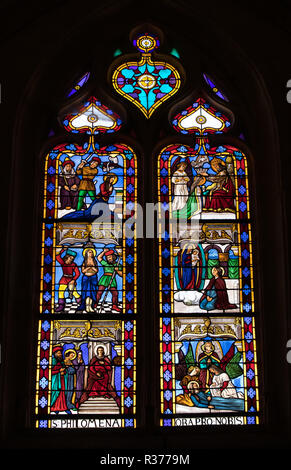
117	52
208	356
214	88
175	53
147	82
81	82
86	369
86	345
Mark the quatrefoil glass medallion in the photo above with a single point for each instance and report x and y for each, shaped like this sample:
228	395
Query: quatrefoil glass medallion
147	83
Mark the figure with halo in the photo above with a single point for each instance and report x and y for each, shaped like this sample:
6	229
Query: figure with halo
100	378
215	294
89	281
186	188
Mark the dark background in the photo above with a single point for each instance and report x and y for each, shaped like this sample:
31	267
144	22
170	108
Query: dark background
44	48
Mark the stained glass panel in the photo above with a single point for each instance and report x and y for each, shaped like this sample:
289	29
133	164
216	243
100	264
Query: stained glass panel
81	82
147	83
207	309
212	85
86	371
86	349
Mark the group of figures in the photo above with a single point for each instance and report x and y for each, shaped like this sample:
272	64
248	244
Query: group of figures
203	283
78	186
207	381
85	273
71	386
80	201
203	187
206	268
203	184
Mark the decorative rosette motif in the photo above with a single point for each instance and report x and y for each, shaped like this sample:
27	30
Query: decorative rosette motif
93	118
147	83
201	118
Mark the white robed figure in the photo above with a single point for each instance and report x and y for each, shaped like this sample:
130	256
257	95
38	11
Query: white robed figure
186	190
180	181
221	385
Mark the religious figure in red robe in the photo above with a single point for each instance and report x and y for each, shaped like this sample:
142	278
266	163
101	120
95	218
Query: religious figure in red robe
215	294
220	195
99	378
106	188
